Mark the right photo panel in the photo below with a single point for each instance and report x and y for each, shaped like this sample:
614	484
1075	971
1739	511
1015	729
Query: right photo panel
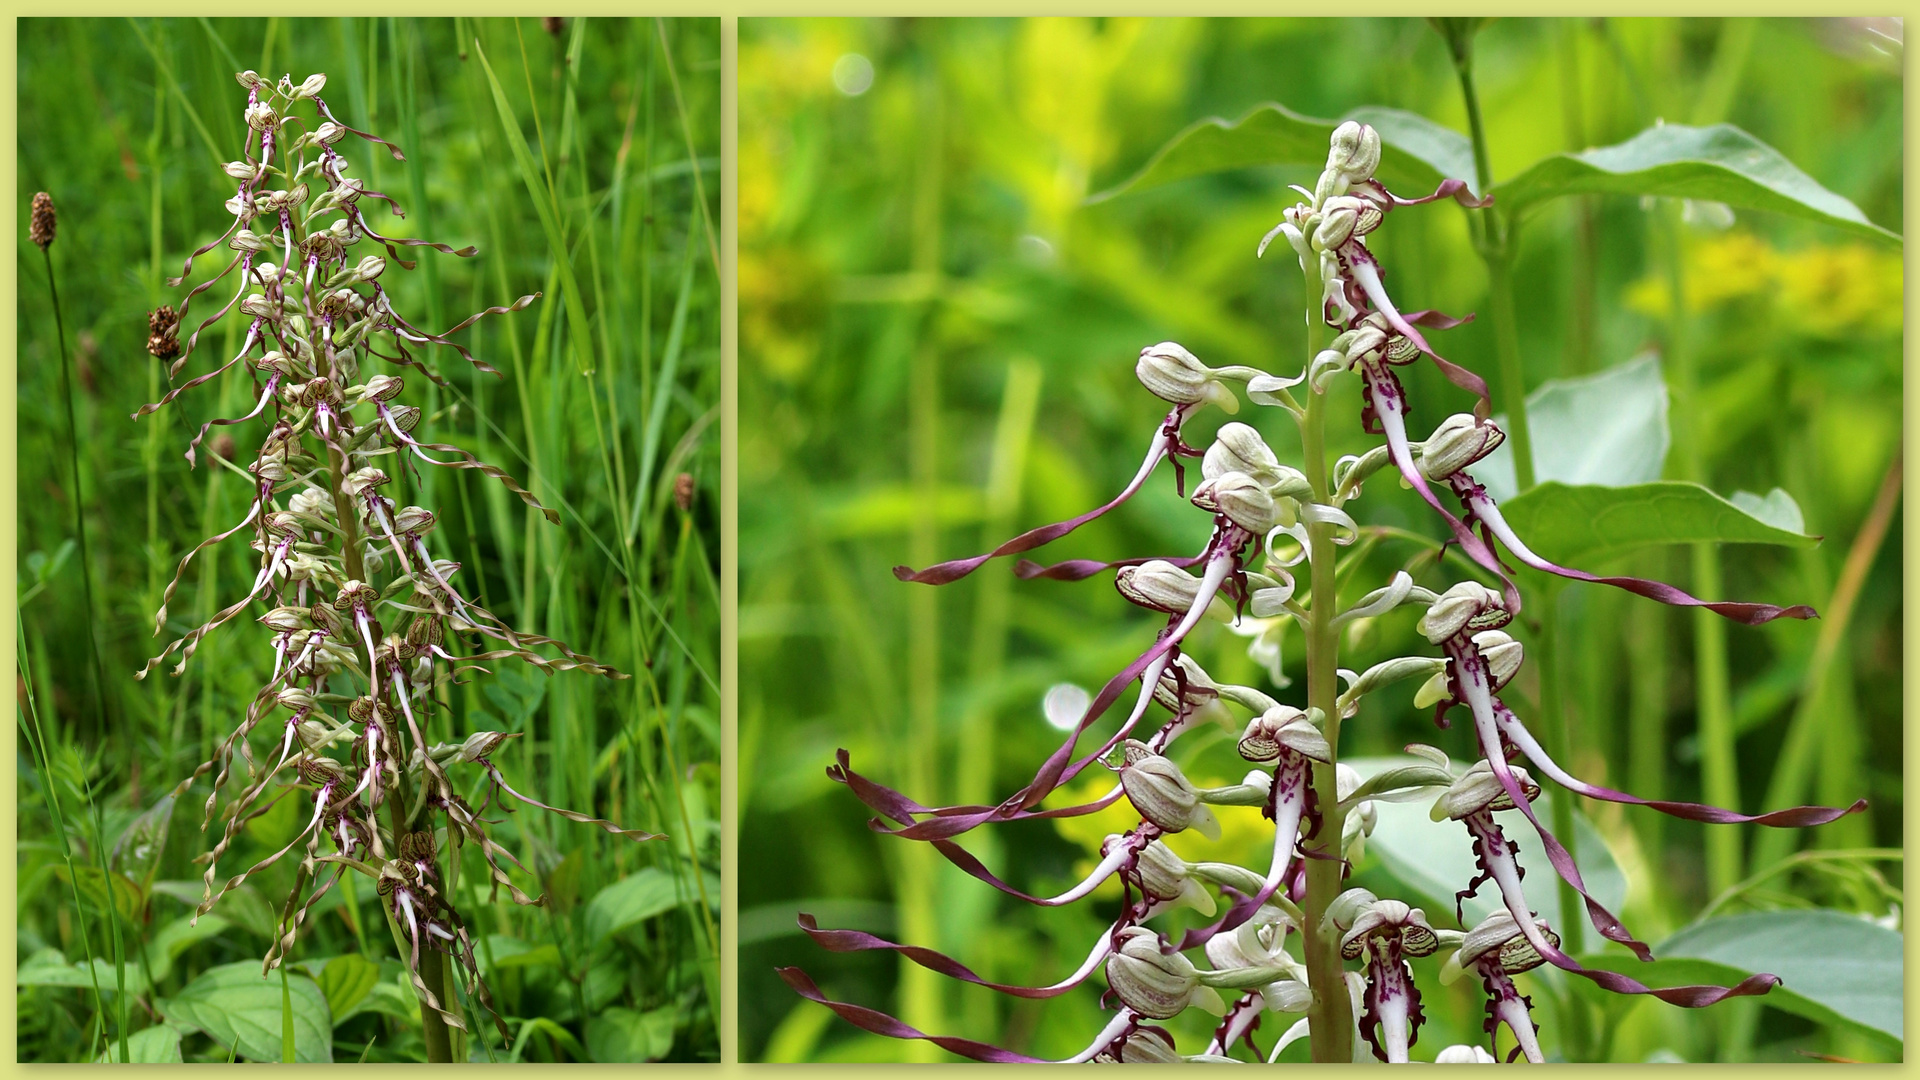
1330	540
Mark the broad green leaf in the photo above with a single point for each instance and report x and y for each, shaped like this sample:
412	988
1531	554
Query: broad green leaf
625	1035
1577	526
346	981
177	937
157	1045
49	967
1835	968
244	907
1720	163
1414	151
1609	428
641	896
239	1008
1435	858
512	952
1776	508
127	897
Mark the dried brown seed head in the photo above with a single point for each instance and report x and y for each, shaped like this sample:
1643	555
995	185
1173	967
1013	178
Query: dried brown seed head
41	227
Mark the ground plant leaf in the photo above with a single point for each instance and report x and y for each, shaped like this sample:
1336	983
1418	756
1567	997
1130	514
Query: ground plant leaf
346	981
1415	151
1720	163
1587	523
626	1035
1836	968
239	1008
157	1045
639	897
1608	428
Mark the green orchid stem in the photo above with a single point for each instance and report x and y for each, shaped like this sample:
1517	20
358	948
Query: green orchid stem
1576	1029
1713	699
1330	1018
1496	244
1506	342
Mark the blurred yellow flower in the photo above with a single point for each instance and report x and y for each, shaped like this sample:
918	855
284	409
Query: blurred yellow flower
1825	290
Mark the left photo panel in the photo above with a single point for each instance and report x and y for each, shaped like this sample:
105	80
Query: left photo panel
368	540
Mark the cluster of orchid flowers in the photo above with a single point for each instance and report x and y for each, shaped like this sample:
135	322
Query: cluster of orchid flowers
1262	506
361	613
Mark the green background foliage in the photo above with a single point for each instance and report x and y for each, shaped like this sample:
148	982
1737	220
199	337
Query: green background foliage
609	391
937	341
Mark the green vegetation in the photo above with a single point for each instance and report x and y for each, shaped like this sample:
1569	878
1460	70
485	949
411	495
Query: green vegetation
581	158
938	330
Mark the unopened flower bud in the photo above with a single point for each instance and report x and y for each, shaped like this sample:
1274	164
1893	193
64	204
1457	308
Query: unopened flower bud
1502	654
413	519
315	502
1355	151
295	699
312	85
286	619
1239	448
313	734
1162	793
1462	1054
1200	687
1173	374
1162	586
1241	499
248	79
241	170
1143	1046
1154	984
482	744
1166	876
1458	442
1468	606
260	308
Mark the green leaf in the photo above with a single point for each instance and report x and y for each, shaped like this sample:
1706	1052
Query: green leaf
177	937
625	1035
578	329
1720	163
1588	524
239	1008
639	897
346	981
1776	508
1435	858
1835	968
1414	151
49	967
157	1045
1608	428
